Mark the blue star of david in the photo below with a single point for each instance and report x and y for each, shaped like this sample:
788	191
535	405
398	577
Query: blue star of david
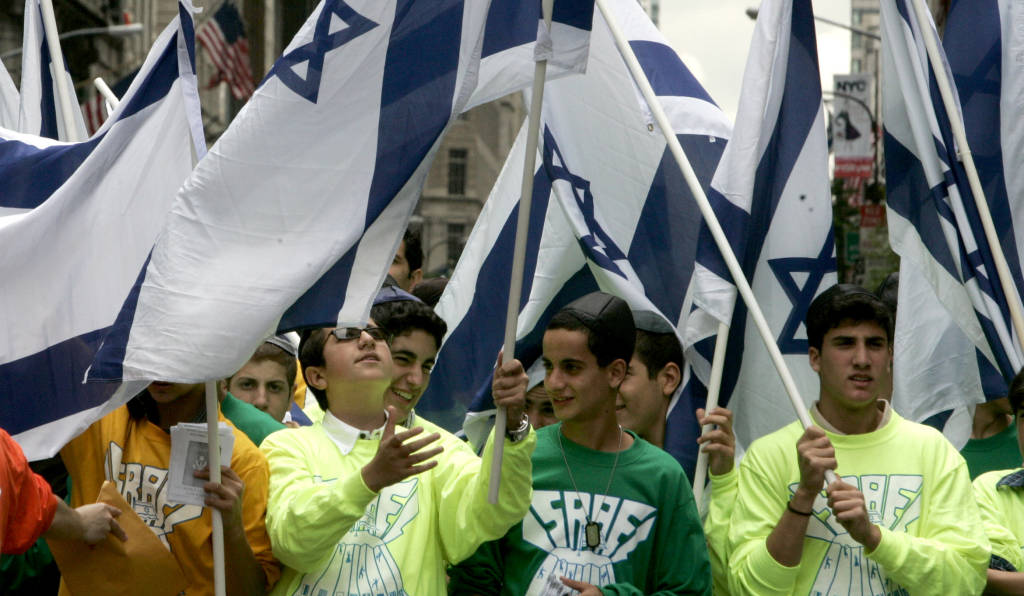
313	52
598	245
816	268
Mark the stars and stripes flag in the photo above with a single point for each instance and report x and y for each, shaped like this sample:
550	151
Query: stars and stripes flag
293	217
223	38
771	194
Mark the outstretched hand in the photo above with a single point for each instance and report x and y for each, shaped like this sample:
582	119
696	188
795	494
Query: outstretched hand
398	456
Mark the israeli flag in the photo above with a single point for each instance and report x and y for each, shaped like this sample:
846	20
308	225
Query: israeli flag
933	219
40	112
515	37
68	262
771	194
300	206
610	211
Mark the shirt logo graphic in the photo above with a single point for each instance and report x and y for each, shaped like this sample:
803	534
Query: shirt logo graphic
143	487
893	502
556	524
361	563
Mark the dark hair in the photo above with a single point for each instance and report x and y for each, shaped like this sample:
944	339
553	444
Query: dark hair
605	349
400	316
269	351
842	303
1016	392
430	290
311	353
413	250
656	350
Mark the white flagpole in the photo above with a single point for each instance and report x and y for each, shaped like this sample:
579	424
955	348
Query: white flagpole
714	389
931	44
57	72
709	217
106	92
519	252
213	438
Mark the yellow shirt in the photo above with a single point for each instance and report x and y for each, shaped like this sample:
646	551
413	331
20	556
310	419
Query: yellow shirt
135	454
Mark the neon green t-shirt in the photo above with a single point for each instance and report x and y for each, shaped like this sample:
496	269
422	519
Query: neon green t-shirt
916	490
1002	510
716	527
336	536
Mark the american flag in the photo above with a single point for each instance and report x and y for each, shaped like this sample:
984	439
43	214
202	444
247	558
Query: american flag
223	37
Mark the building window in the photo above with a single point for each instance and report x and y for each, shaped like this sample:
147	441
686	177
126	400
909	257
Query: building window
457	159
855	65
858	17
456	242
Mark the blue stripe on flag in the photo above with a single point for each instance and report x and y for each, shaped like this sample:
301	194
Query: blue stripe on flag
48	105
904	175
49	385
510	23
416	95
682	429
670	208
452	381
32	174
666	72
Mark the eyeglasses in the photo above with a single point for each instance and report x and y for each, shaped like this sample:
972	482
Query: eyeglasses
353	333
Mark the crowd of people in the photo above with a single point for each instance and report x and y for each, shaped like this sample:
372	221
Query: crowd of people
349	491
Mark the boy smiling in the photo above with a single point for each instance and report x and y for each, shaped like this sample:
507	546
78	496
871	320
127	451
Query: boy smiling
359	505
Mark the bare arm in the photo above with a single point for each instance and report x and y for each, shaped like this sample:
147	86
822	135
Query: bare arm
1008	583
89	523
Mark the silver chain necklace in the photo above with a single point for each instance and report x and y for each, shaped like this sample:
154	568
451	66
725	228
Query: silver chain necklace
591	531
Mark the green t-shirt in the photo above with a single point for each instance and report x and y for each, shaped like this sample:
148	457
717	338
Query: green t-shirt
254	422
651	537
998	452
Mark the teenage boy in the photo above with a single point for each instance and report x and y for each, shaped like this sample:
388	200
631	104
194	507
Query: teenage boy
416	333
1000	496
407	266
359	505
131	447
653	377
611	513
901	517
